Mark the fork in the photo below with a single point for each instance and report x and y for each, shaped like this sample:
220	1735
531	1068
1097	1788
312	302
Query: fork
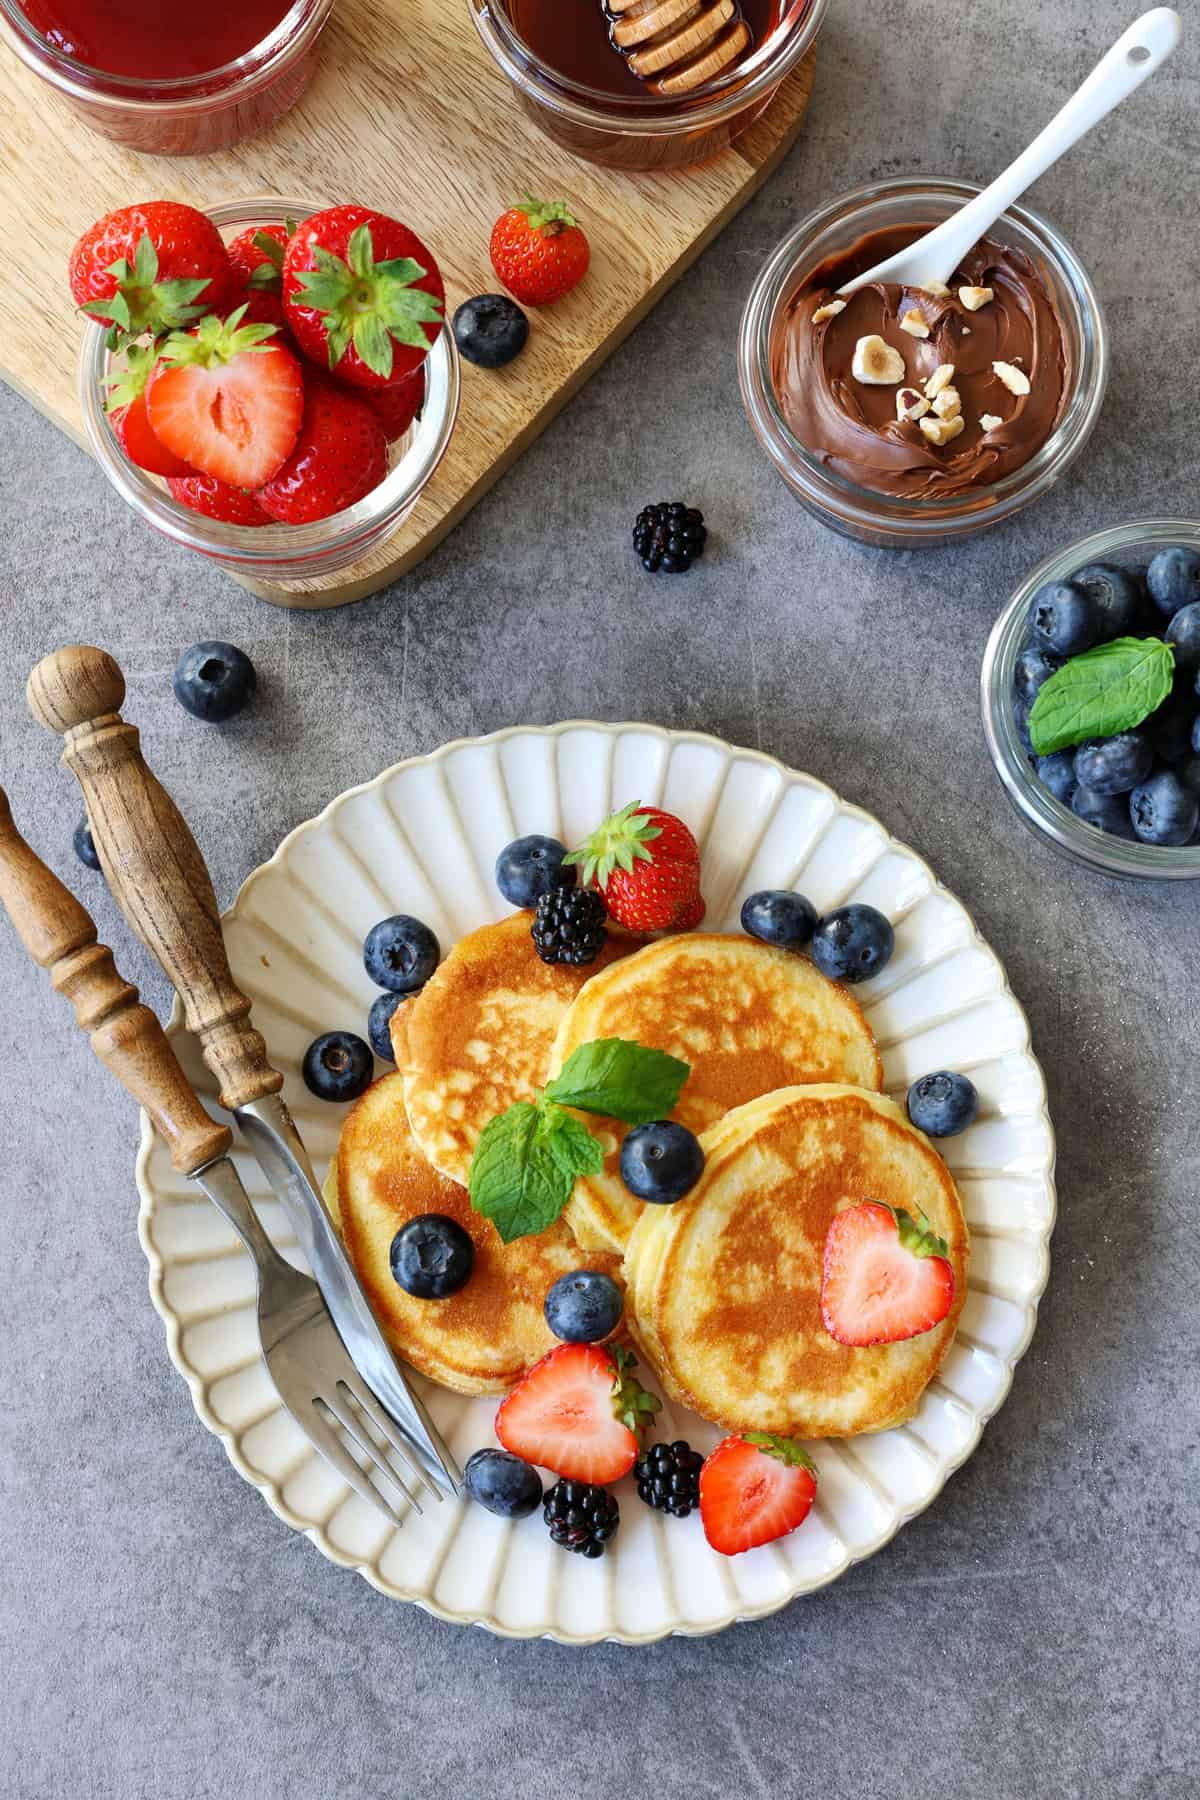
304	1355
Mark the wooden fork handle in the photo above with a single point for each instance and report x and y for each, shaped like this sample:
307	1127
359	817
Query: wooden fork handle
152	862
60	936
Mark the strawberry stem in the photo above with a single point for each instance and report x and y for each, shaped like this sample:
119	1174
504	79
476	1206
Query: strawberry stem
617	843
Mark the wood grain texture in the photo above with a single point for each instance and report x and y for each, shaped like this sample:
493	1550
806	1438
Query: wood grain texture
416	120
152	863
60	936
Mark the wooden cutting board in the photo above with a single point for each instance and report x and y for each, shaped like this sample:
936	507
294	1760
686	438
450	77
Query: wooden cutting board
407	113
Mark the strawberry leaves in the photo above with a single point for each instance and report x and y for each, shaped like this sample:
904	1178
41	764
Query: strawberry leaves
616	844
368	304
919	1239
633	1405
142	302
784	1449
216	341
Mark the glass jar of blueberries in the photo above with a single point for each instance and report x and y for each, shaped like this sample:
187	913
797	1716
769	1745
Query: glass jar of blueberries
1126	801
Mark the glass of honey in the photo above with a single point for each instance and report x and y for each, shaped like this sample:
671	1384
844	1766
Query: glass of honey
565	61
174	82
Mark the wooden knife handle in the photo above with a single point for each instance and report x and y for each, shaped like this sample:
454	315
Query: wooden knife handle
152	862
60	936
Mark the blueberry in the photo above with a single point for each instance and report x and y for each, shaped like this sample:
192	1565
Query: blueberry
378	1020
1163	810
85	848
584	1307
400	954
1188	772
1064	619
1107	812
530	867
1033	669
778	916
338	1066
942	1105
1114	765
503	1483
490	330
1169	730
1057	772
1173	579
1184	633
1116	593
214	681
853	943
1020	712
661	1162
432	1257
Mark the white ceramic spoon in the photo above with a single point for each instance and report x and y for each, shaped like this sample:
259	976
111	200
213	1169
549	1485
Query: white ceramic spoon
934	257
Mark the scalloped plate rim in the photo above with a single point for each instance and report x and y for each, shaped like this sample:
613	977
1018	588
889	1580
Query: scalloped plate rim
198	1386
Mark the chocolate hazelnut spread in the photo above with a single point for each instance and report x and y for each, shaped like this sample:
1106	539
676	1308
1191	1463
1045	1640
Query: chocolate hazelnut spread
853	426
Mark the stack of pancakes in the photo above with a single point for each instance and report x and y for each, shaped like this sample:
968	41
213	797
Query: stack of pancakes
723	1288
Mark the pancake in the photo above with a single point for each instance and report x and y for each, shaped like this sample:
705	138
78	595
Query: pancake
748	1019
483	1339
478	1037
724	1287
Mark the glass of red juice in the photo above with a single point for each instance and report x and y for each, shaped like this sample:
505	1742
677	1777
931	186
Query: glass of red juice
175	81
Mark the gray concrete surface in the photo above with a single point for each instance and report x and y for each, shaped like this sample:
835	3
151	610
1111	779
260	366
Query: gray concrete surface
1036	1632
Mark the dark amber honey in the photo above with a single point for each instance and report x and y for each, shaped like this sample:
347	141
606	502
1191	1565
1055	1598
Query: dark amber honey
572	38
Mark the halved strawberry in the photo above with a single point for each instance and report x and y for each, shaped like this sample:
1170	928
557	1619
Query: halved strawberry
126	408
579	1412
754	1488
885	1276
645	864
227	400
217	500
340	454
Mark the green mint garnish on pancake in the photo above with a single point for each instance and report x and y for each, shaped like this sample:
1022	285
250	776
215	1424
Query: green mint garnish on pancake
1102	692
529	1157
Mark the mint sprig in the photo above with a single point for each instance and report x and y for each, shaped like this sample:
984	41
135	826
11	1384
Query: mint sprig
1106	690
621	1080
529	1157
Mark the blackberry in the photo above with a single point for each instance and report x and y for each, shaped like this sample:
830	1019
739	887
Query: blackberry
669	537
581	1516
569	926
668	1478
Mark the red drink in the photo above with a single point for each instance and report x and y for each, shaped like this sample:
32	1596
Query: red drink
153	41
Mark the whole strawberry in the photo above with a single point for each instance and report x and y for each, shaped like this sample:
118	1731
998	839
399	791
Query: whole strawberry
645	863
397	406
256	259
539	251
340	455
149	268
362	295
217	500
126	408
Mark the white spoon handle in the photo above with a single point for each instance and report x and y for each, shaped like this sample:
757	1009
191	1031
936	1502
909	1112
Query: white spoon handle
1135	55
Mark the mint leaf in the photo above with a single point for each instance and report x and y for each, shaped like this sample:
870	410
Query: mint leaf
786	1449
525	1165
620	1080
1106	690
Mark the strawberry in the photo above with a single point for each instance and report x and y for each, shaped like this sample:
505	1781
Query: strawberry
340	455
579	1412
126	408
397	406
645	863
227	400
753	1489
146	268
217	500
362	295
885	1276
539	251
256	258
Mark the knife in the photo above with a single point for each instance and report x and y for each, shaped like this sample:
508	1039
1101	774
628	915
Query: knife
159	879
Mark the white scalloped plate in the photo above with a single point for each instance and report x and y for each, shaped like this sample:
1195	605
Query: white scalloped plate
423	838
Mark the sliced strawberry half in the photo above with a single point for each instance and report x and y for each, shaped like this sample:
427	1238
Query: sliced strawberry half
217	500
580	1412
885	1277
126	408
753	1489
228	400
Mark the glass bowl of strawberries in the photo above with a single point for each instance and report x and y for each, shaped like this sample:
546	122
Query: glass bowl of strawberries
270	383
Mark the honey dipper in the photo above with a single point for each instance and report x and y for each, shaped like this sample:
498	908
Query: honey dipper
675	46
